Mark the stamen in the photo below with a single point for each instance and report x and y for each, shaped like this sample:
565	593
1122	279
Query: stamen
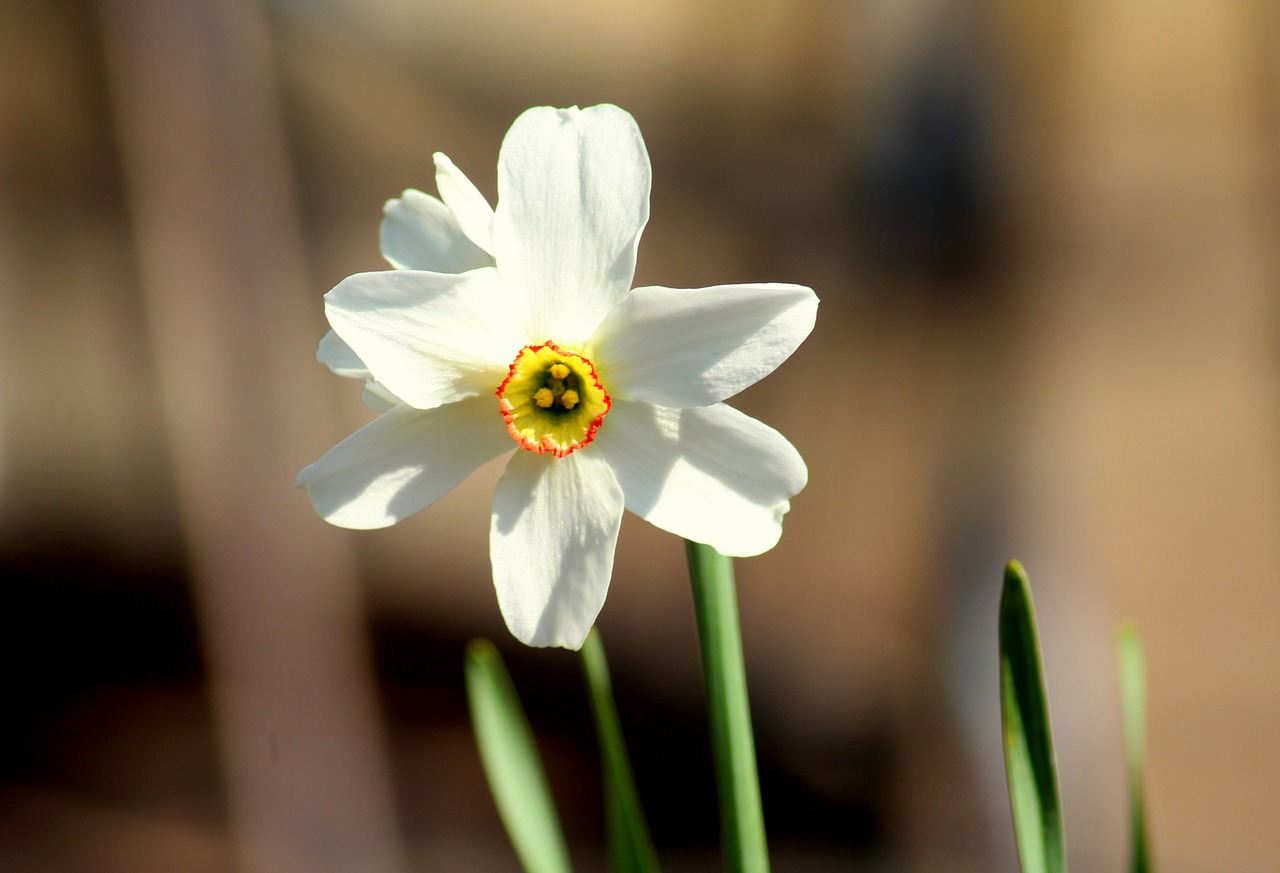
552	400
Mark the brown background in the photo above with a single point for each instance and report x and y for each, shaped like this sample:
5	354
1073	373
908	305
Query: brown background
1045	238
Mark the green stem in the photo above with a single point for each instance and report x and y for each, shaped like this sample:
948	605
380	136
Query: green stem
629	842
1133	706
741	817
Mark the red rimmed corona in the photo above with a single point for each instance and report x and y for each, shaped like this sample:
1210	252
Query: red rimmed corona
552	400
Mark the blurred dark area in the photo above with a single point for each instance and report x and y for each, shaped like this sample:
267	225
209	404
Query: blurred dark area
105	674
925	193
1044	241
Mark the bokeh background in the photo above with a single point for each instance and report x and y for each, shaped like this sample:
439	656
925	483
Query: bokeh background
1045	239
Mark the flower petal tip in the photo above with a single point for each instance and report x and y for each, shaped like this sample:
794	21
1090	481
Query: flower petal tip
542	640
406	194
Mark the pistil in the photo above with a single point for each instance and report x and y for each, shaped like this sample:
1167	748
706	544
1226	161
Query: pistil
552	400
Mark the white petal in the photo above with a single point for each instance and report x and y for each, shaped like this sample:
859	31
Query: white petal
403	461
430	338
555	526
419	232
695	347
376	396
340	358
473	213
710	474
573	197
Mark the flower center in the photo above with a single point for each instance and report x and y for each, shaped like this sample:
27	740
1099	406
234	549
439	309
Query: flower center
552	400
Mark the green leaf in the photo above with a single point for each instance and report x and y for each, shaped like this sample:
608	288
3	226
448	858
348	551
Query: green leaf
1133	683
1028	746
630	845
728	713
511	763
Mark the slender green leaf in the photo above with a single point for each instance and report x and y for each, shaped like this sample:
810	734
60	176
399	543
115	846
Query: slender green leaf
630	845
1028	746
1133	706
511	763
729	715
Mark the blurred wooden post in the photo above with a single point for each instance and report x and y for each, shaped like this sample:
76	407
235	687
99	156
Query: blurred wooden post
233	329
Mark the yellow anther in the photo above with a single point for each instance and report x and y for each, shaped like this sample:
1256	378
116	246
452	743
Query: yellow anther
552	400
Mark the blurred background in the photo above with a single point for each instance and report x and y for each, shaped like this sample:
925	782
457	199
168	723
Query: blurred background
1045	240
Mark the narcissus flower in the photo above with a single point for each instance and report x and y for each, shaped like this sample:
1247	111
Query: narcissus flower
516	328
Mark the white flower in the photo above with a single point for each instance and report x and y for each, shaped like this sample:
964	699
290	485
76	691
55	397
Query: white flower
610	397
